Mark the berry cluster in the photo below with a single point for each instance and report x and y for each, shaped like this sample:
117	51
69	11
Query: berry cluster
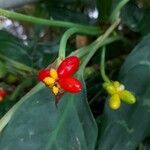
62	79
117	93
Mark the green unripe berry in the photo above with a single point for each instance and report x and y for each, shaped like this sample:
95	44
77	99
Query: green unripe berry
127	97
114	102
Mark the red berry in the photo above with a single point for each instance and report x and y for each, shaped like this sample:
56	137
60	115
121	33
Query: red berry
70	84
2	92
68	66
43	74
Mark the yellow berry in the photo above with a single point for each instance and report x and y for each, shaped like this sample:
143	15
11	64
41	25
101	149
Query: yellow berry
53	74
127	97
114	102
116	84
111	89
49	81
55	90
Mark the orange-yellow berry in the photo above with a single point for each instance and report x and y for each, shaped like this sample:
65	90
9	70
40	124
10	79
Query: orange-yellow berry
53	74
55	90
49	81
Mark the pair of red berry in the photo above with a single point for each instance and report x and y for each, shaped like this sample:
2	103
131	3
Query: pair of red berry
62	79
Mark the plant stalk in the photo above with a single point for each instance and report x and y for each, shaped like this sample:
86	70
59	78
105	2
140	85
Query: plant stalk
102	66
66	36
35	20
99	41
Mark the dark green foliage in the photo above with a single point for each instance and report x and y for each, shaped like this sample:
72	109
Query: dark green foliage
104	7
136	17
34	122
71	10
145	23
44	54
13	48
132	15
125	128
38	124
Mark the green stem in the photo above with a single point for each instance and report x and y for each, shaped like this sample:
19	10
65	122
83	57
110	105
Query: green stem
81	52
67	35
102	66
35	20
99	42
18	65
63	42
116	12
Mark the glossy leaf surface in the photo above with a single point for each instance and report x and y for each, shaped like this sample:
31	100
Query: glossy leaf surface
38	124
124	129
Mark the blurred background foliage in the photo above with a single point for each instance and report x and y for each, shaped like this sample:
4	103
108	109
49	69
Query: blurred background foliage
25	48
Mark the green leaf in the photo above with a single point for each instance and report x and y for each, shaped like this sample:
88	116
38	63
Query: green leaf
104	7
144	145
13	48
109	10
71	10
145	22
45	54
132	15
136	18
65	14
3	69
38	124
125	128
117	5
14	3
13	51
